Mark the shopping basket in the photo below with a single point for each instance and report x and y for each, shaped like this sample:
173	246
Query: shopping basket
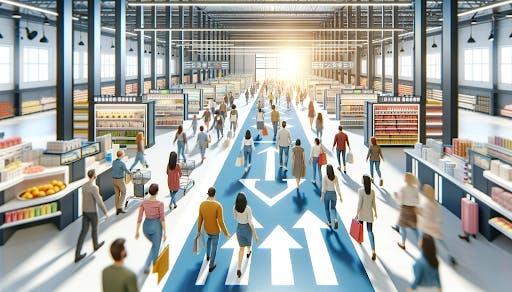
186	183
139	178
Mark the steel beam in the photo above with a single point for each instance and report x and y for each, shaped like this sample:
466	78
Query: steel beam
93	59
64	116
395	41
140	52
120	48
420	62
154	49
450	71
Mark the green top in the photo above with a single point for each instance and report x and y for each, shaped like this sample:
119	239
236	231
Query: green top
119	279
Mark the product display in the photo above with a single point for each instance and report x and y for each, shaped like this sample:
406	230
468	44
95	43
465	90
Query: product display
33	169
51	188
352	101
29	213
460	147
6	110
169	109
63	146
80	119
434	119
502	197
396	124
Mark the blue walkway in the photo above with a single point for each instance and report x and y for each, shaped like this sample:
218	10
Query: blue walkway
295	223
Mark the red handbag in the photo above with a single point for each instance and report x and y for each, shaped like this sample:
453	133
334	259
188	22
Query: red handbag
356	230
322	159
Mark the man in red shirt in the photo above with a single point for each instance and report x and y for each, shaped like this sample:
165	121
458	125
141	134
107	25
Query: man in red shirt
341	143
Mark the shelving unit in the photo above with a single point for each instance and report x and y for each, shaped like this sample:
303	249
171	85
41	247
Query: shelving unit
30	220
351	106
169	108
6	110
330	99
81	119
434	119
195	97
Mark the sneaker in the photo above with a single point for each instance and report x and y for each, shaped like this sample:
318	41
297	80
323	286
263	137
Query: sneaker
374	256
80	257
395	227
339	167
402	246
175	206
99	245
239	273
212	268
313	181
335	224
329	224
207	259
249	254
381	182
345	171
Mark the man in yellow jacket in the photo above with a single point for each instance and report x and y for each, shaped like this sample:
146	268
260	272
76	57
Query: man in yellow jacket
271	99
274	118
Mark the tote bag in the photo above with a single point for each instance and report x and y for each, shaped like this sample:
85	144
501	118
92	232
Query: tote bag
322	159
239	161
265	131
350	157
161	265
356	230
198	243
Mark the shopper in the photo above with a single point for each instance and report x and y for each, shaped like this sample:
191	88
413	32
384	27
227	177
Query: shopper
210	213
119	172
173	178
408	197
316	150
311	114
247	148
430	220
231	98
233	118
274	118
341	142
117	278
247	94
330	187
367	210
90	199
194	124
375	156
260	122
319	124
283	142
298	162
426	267
260	104
207	117
244	230
222	109
211	105
181	137
288	100
154	224
271	98
218	123
202	141
140	142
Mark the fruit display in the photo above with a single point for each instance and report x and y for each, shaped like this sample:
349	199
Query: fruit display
51	188
34	169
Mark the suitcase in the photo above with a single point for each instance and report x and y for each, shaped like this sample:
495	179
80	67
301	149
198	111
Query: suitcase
469	216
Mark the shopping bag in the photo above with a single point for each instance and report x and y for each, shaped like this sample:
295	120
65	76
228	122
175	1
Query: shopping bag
350	157
198	243
265	131
186	149
239	161
161	265
322	159
356	230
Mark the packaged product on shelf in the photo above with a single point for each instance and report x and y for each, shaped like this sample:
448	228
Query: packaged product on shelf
505	171
495	167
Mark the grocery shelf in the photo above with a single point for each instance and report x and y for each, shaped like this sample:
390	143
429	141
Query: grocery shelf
124	119
500	228
498	180
34	219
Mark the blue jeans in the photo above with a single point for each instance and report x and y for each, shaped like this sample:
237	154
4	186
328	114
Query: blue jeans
283	150
403	232
152	229
139	157
232	126
330	205
247	155
342	152
315	166
173	197
211	247
275	126
319	133
369	227
220	132
375	164
181	149
202	149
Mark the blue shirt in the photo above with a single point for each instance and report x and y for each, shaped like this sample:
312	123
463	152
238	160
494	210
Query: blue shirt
425	275
119	169
202	137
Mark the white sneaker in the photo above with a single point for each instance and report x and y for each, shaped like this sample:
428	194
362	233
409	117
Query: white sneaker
313	181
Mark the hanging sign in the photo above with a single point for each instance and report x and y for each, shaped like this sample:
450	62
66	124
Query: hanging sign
332	65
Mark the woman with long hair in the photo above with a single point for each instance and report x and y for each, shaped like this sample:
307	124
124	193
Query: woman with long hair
426	267
319	125
316	150
375	156
311	114
181	137
247	148
330	187
154	224
140	141
298	162
173	177
245	229
367	210
260	122
409	199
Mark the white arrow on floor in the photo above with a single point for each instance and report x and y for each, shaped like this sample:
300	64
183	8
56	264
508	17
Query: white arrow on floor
279	242
270	170
203	271
232	277
320	259
250	183
271	127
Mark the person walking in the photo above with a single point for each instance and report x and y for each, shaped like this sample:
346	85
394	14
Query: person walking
408	198
154	225
140	141
247	148
173	178
181	137
260	122
283	142
341	142
288	100
330	187
202	141
207	117
430	220
211	105
233	118
222	109
231	99
316	150
311	114
274	118
244	230
426	267
319	124
218	124
210	214
271	98
194	124
119	172
367	210
90	199
298	162
375	156
116	277
247	94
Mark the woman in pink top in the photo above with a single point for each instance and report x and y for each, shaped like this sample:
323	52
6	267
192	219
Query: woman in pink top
173	177
154	224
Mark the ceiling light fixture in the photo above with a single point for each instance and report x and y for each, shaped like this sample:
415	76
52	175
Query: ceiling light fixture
491	35
16	15
1	36
473	20
267	3
131	49
471	40
46	21
269	29
485	7
30	34
43	40
510	36
434	45
29	7
81	43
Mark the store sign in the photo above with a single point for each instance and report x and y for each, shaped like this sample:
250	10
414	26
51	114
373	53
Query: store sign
117	99
398	99
332	65
357	91
206	65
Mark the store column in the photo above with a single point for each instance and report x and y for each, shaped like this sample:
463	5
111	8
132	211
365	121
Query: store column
17	68
200	56
140	51
93	59
182	43
349	46
370	58
210	47
338	19
205	47
383	53
64	70
450	71
357	56
394	41
168	48
420	62
154	49
191	53
120	47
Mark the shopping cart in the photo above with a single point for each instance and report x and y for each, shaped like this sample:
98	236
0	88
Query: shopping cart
140	178
186	183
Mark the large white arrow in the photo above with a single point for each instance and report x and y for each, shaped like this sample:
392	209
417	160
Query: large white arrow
270	171
250	183
271	127
320	259
232	277
279	242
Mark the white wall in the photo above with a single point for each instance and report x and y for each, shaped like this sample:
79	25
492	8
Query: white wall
243	64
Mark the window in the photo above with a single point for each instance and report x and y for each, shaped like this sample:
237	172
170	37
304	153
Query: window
434	66
35	64
506	65
389	66
76	65
108	62
378	66
147	65
405	66
364	70
85	68
5	65
131	66
476	64
159	66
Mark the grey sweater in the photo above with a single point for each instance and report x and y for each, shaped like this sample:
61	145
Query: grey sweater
91	197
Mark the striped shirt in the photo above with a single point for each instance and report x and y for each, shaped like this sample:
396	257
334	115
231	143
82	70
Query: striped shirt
154	209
